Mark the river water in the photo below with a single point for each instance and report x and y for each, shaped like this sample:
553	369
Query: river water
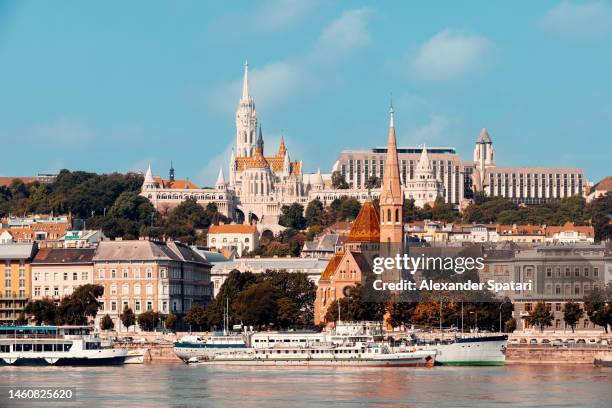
178	385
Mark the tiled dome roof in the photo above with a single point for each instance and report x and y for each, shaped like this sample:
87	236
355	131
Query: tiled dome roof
366	227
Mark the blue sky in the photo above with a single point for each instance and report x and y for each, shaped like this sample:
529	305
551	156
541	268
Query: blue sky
111	86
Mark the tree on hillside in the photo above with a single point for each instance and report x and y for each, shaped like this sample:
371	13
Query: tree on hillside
315	213
443	211
372	182
349	208
338	181
298	288
292	216
287	312
600	211
572	312
540	317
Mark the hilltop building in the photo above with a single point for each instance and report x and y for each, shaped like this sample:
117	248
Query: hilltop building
258	184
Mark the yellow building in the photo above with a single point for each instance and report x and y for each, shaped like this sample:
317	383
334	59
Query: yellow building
15	285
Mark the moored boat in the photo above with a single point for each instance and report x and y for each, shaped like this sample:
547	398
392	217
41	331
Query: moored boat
361	355
471	351
55	345
603	360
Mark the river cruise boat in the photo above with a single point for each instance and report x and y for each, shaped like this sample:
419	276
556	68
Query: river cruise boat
470	351
55	345
195	346
355	355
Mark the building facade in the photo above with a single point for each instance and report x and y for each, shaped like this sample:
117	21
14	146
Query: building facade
56	272
164	277
559	273
15	285
240	237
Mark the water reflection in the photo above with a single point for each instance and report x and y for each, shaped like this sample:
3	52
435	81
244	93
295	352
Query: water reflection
195	386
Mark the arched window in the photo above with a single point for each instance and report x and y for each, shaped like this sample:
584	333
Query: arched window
396	215
388	215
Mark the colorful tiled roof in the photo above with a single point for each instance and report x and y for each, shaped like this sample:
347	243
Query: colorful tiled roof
366	227
232	229
331	267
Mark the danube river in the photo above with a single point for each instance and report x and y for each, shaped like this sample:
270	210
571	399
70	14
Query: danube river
177	385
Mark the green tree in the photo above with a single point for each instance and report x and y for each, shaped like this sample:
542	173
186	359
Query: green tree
354	307
107	323
292	216
128	318
372	182
598	308
235	283
80	305
171	321
400	313
599	211
338	181
572	313
298	288
510	325
42	311
196	317
256	305
349	209
541	316
315	213
287	312
443	211
149	320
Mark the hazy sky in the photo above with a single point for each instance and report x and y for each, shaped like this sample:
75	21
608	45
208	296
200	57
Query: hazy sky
113	85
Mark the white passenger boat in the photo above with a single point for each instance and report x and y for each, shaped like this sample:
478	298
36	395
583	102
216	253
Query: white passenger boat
202	346
360	354
55	345
470	351
136	356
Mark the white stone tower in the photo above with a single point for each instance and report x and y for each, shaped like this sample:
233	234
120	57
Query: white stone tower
246	120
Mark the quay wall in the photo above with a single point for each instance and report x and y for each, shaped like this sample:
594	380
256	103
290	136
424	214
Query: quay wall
537	354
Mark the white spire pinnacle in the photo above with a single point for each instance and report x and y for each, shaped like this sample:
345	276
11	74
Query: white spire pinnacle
391	114
245	82
149	175
220	178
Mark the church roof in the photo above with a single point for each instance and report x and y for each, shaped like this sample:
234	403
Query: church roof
258	161
176	184
484	136
276	164
331	267
366	227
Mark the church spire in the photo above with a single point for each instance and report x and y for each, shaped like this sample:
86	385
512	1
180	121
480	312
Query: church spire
391	195
282	149
245	81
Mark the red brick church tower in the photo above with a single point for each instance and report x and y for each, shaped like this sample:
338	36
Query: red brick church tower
391	197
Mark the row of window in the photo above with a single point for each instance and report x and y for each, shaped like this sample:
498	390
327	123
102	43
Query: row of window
577	271
66	276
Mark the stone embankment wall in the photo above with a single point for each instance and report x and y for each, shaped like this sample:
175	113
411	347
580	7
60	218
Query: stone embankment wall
157	353
536	354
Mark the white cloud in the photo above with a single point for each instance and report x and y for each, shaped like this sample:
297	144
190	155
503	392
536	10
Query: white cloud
448	55
63	131
279	81
208	175
587	20
269	17
344	35
434	132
